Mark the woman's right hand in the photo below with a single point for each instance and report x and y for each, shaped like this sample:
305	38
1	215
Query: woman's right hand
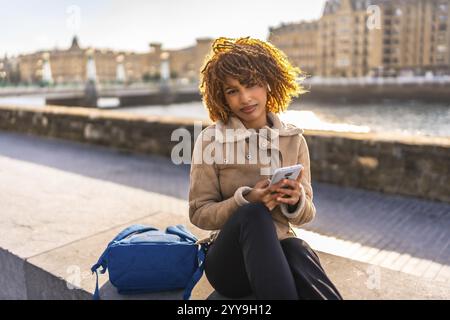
264	193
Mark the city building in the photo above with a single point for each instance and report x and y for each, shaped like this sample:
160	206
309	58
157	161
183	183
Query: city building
343	40
3	70
355	38
71	65
414	39
299	42
9	71
185	63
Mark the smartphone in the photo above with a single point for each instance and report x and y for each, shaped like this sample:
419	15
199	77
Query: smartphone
291	172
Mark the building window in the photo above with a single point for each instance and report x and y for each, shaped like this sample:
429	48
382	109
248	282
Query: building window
442	48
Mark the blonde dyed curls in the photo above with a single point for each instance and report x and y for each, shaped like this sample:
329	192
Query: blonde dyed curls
250	61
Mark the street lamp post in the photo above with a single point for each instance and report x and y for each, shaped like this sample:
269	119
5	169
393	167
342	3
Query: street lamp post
164	84
120	70
47	77
90	89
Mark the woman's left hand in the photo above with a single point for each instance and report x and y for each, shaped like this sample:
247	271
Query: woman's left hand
292	193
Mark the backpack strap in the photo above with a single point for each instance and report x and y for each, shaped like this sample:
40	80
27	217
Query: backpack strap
186	235
102	262
198	273
181	231
136	228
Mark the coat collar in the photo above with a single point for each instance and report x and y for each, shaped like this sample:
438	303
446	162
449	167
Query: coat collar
240	132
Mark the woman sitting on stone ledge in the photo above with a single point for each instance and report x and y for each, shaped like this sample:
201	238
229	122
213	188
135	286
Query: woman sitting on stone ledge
253	250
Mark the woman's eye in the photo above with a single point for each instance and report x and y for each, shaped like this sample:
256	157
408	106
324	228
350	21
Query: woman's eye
231	91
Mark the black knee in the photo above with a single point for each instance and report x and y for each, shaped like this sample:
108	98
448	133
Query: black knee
254	213
291	245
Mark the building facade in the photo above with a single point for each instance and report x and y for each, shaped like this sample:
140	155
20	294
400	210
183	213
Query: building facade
71	65
355	38
185	63
299	42
343	39
9	71
414	39
4	70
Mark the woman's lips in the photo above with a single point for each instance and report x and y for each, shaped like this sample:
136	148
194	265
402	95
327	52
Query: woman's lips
249	109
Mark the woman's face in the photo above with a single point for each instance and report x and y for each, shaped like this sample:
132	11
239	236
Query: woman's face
247	103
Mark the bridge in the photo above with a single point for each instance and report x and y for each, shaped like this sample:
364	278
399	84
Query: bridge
329	90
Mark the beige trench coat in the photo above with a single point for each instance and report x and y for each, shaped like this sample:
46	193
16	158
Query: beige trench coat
218	181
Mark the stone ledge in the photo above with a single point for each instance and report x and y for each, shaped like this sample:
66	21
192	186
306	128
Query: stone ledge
355	280
104	114
93	114
64	273
81	255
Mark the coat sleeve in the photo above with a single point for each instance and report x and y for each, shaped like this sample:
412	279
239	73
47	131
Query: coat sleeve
207	208
305	211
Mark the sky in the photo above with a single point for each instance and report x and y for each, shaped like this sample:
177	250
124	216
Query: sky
30	25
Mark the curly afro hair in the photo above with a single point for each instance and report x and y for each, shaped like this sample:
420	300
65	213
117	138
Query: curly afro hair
250	61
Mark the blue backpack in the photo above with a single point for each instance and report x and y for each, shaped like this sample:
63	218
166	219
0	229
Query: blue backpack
143	259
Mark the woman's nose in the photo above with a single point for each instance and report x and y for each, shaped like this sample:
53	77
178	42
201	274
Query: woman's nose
245	96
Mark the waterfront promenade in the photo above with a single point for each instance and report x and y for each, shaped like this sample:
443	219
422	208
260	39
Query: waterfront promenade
63	201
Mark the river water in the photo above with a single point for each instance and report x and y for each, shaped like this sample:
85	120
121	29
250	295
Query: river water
408	118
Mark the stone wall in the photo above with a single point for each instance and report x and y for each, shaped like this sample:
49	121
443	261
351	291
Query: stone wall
417	167
410	166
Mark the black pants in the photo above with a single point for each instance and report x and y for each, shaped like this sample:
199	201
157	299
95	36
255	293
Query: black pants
247	258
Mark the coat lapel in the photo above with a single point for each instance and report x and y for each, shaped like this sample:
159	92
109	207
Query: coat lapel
235	131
